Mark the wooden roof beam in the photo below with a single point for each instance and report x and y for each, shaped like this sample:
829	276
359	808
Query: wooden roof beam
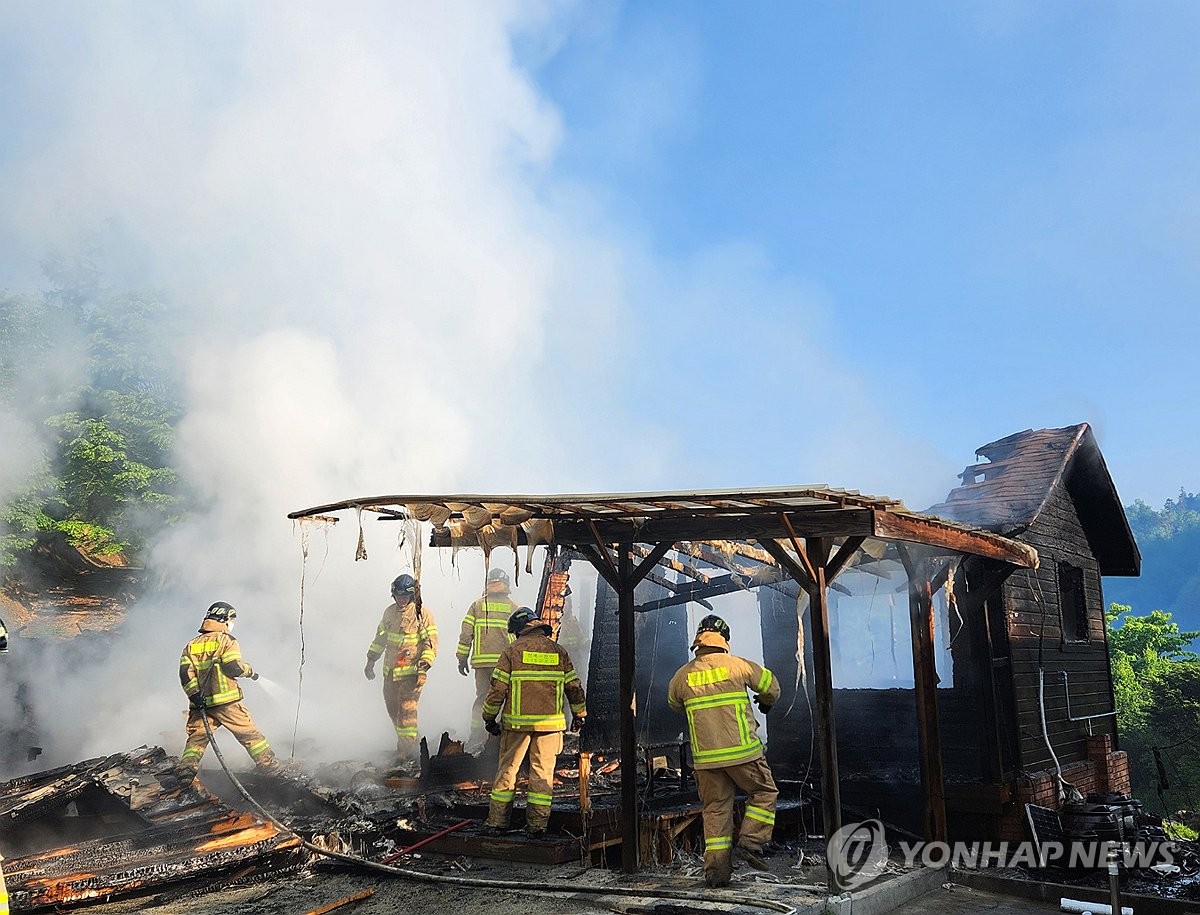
848	522
891	526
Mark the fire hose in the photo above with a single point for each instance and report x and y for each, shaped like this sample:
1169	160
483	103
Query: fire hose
519	886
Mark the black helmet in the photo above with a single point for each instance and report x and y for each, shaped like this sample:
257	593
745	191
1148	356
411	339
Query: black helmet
498	575
713	623
404	584
521	619
221	612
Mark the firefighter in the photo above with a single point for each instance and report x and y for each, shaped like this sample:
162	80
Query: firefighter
528	685
483	636
727	753
208	671
407	639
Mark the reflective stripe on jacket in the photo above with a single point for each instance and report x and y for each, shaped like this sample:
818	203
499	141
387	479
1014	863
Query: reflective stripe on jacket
405	639
484	634
711	692
210	665
529	683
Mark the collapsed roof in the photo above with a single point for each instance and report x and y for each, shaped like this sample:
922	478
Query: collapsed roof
592	520
119	824
1007	491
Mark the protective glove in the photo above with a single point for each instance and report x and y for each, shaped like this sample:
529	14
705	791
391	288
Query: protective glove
254	675
196	702
462	667
763	705
492	727
422	667
578	722
369	670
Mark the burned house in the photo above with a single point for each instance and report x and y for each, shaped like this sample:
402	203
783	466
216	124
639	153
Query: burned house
1021	703
1039	651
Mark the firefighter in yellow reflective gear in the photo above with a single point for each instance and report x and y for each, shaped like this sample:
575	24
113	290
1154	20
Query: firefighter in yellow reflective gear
483	636
208	671
727	753
529	684
407	640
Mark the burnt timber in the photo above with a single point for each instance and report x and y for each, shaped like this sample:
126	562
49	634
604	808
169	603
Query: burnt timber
119	825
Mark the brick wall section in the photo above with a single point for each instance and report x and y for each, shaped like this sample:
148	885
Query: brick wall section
1117	772
1106	770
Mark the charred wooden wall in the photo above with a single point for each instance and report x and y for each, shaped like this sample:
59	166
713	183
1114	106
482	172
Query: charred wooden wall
661	649
1034	607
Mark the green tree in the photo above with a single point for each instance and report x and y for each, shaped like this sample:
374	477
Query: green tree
1156	683
95	369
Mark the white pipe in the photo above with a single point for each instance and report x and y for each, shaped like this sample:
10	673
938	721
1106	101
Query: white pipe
1096	908
1062	783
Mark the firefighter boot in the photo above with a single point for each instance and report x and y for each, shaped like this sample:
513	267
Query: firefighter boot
537	816
498	814
751	858
718	868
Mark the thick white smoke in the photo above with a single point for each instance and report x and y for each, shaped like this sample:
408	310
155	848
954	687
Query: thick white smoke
382	288
340	199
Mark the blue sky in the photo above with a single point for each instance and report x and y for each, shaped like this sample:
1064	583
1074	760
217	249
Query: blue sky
995	204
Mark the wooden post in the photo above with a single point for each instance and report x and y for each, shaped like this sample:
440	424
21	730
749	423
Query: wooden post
811	573
585	788
920	613
831	791
629	760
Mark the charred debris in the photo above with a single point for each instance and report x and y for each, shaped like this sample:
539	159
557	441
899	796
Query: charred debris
942	670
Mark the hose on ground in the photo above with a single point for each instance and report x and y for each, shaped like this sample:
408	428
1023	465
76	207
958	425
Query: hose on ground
518	886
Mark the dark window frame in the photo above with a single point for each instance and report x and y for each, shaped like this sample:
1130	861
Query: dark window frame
1072	604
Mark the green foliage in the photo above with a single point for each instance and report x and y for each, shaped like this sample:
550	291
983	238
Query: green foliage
1179	832
1156	682
1169	540
92	538
93	369
1178	516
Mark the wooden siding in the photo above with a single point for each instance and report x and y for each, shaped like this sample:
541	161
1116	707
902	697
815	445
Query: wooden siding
1032	606
661	648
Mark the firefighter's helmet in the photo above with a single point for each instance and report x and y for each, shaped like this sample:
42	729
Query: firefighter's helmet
221	612
404	584
713	623
498	575
522	619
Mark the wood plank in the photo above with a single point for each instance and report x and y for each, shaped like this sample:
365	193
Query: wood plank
850	522
629	758
893	526
649	562
549	850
